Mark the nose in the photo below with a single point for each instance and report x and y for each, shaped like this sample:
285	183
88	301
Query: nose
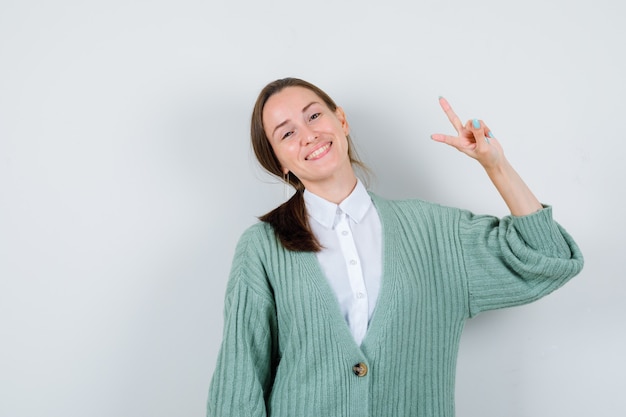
309	135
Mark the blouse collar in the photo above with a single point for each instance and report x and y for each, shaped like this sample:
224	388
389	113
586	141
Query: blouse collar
325	212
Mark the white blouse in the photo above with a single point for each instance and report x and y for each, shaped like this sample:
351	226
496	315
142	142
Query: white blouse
351	236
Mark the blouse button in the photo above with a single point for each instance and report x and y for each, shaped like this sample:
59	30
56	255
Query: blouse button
360	369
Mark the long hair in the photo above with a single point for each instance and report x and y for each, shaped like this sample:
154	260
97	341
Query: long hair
289	220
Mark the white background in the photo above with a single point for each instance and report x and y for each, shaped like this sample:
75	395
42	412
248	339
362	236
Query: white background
126	178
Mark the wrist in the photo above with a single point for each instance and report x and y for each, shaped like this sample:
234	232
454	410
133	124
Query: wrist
499	169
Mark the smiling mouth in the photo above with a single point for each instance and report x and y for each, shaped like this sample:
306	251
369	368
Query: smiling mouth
318	152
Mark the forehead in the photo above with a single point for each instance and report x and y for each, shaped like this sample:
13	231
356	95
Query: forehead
287	104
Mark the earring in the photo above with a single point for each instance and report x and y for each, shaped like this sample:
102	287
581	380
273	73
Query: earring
286	186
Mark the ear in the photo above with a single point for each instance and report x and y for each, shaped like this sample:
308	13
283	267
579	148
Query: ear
341	115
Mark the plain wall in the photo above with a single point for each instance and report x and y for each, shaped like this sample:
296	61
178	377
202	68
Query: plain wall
126	178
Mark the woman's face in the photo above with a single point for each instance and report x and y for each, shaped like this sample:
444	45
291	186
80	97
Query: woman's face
307	137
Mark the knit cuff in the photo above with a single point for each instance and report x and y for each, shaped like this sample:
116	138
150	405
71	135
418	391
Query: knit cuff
540	232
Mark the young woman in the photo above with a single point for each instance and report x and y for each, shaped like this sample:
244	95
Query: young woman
343	303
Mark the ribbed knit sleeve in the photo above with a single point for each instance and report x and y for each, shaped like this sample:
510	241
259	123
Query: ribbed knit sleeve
243	376
515	260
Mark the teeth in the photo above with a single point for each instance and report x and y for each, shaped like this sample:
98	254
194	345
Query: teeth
318	152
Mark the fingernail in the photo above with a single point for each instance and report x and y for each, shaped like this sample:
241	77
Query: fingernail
487	140
476	123
490	134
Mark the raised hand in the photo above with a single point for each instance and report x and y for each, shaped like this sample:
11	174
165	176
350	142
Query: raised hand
473	139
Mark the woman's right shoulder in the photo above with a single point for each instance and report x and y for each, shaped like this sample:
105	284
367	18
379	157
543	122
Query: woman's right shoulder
258	238
258	232
252	253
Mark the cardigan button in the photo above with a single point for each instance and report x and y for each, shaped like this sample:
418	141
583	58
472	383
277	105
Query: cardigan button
360	369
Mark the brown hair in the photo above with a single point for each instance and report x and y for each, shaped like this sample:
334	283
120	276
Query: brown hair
289	220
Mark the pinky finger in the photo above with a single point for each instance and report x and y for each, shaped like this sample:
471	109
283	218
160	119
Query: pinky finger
488	134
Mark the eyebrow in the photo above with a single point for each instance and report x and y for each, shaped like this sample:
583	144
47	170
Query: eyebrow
288	120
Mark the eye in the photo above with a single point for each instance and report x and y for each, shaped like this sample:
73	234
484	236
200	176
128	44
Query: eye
314	116
287	134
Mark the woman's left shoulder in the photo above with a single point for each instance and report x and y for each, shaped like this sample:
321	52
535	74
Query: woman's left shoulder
415	205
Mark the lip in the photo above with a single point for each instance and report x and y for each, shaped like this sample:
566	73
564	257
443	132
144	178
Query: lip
319	152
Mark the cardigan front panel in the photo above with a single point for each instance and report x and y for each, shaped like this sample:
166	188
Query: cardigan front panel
413	336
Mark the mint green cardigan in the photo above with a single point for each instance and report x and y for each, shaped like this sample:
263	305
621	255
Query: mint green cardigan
287	350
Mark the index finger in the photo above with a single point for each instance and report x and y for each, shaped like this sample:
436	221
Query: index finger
454	119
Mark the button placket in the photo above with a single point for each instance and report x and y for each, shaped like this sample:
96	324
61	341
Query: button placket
359	311
348	247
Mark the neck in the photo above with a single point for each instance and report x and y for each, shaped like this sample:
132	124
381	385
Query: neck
334	190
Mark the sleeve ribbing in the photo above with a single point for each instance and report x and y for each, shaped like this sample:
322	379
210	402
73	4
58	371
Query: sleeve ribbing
243	376
515	260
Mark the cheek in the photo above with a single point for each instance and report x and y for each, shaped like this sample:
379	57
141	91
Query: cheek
286	153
